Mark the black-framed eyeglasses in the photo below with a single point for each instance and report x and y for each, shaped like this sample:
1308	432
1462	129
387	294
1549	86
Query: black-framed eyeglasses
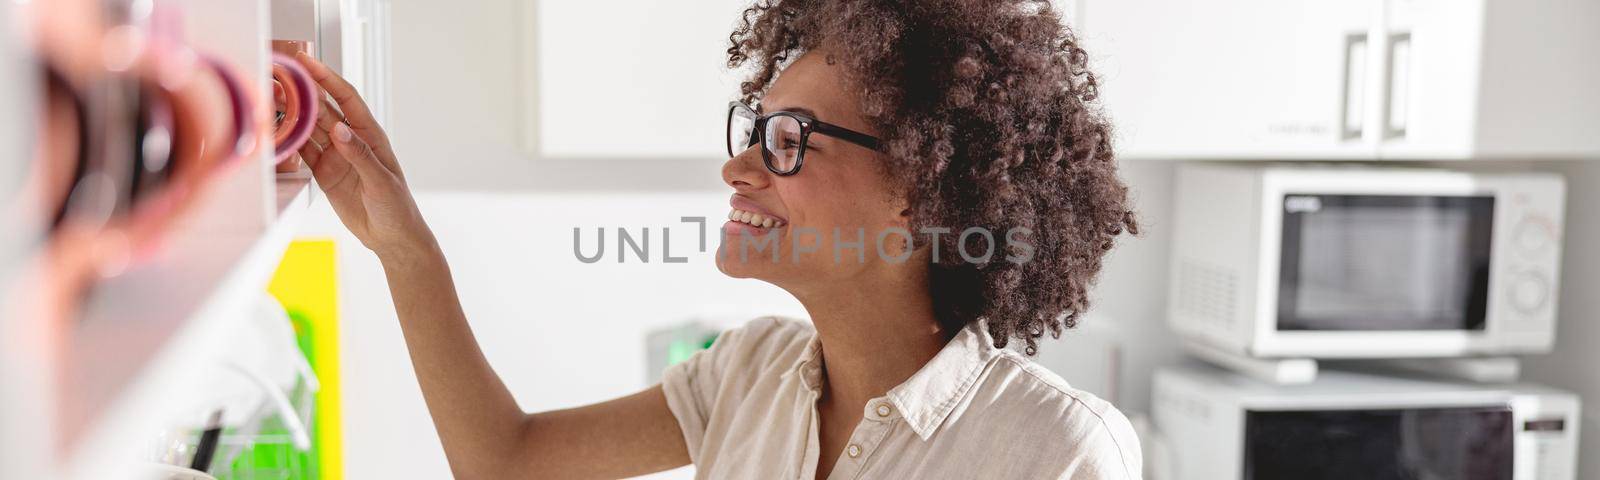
783	136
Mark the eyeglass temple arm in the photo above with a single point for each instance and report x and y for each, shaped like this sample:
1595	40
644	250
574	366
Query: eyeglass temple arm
846	134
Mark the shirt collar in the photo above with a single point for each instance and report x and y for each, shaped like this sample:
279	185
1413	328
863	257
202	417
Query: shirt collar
927	398
809	366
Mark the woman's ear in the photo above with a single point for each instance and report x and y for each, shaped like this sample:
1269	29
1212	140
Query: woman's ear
902	217
899	208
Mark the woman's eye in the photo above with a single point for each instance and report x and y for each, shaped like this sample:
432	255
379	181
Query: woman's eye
789	142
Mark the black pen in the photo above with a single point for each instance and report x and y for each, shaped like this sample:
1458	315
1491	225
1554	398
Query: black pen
208	443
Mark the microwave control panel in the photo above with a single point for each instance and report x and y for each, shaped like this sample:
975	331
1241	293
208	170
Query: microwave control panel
1529	258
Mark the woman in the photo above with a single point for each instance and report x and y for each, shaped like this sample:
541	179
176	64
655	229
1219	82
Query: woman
871	120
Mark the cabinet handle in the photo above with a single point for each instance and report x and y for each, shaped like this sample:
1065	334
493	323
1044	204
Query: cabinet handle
1397	93
1352	111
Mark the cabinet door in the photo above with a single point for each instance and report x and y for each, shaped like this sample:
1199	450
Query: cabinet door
1432	50
629	79
364	31
1238	78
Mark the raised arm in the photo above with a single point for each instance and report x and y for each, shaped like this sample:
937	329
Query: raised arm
485	434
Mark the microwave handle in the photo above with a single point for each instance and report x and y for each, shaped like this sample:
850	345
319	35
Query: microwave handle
1352	101
1396	85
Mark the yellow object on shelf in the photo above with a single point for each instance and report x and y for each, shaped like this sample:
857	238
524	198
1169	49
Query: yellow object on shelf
307	284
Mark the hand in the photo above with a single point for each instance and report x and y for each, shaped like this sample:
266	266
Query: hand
353	162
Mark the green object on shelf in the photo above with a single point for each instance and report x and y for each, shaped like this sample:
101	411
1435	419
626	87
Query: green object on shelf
271	453
682	349
672	345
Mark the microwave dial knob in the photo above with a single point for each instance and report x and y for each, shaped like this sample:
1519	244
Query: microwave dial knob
1533	235
1529	292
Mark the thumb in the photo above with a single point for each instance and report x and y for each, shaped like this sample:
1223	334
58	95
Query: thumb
358	153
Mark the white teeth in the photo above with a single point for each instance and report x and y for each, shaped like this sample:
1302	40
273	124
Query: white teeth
754	219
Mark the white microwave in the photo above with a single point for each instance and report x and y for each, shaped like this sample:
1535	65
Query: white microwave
1220	425
1277	261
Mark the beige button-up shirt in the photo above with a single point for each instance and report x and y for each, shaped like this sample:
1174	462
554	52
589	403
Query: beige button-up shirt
747	408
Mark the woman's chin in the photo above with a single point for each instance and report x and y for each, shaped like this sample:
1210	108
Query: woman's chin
746	251
757	266
731	266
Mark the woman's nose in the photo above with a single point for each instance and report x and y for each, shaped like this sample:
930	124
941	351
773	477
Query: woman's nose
746	171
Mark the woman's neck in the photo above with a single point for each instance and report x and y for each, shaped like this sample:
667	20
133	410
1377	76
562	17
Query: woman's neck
875	332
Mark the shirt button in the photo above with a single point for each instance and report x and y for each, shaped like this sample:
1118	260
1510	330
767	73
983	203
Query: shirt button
854	450
883	410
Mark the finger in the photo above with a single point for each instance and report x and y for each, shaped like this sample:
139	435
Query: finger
357	153
324	125
330	109
384	155
311	152
324	162
327	167
355	111
321	143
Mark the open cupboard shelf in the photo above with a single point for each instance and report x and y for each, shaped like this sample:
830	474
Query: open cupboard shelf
146	337
140	345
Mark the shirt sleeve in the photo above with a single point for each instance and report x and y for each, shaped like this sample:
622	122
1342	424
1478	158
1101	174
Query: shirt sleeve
1109	450
694	387
1103	462
689	386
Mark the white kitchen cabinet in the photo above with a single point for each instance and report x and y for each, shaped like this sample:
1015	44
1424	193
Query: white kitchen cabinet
1493	79
1361	79
635	79
362	43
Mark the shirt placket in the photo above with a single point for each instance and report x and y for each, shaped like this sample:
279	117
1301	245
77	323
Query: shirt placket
807	468
876	422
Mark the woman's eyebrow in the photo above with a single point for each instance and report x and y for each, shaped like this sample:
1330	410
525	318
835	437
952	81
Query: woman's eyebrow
761	110
803	111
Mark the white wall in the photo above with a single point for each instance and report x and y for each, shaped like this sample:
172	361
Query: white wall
560	332
564	333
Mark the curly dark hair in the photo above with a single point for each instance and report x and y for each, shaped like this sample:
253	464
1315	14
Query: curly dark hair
988	115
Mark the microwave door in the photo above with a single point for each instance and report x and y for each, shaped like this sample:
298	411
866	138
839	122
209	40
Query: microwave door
1410	444
1384	262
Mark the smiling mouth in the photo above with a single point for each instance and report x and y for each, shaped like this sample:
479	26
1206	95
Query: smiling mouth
754	219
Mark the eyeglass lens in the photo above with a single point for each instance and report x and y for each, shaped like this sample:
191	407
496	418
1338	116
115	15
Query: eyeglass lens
782	138
741	125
